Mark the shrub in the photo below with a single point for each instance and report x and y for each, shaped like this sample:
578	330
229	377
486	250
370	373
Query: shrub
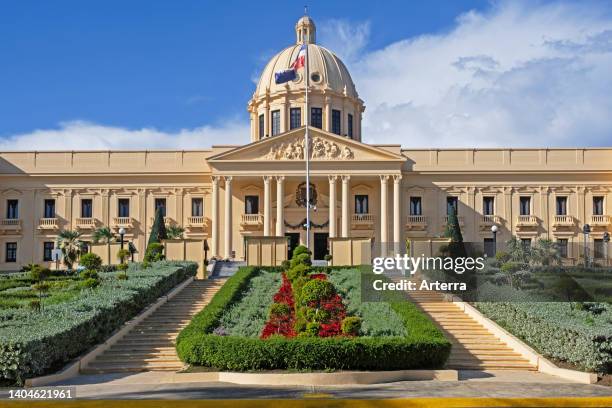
298	271
122	267
154	252
279	309
122	255
89	283
122	276
285	265
88	274
38	273
300	249
301	259
316	290
32	344
502	256
108	268
90	261
351	325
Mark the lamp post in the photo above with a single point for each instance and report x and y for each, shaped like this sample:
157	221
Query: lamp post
121	235
494	229
586	230
606	240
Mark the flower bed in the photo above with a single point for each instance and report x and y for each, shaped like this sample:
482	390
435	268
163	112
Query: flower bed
35	343
308	328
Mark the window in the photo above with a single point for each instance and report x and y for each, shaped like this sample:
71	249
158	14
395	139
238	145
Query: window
275	122
12	209
86	208
49	209
415	206
598	206
85	247
489	247
123	207
361	204
561	205
336	115
562	244
48	247
452	204
11	252
488	205
526	243
295	118
316	117
525	205
251	204
197	207
350	125
261	126
160	203
598	248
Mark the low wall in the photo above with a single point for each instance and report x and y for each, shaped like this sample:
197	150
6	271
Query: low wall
426	247
186	250
266	251
350	251
108	252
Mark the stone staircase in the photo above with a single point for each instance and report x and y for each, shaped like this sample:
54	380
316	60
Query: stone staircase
149	346
225	269
474	347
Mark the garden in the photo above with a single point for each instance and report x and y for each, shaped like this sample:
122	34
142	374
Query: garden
300	317
49	317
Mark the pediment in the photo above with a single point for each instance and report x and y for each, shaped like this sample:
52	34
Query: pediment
290	146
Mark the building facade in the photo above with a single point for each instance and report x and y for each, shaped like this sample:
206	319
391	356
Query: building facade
226	193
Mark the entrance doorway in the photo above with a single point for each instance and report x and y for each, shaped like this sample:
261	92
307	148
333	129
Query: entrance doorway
320	245
294	241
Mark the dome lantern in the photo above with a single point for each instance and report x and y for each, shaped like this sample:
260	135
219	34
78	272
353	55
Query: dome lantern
305	31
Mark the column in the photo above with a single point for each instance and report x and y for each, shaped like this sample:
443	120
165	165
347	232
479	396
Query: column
397	218
215	217
327	126
267	206
345	206
384	221
280	204
228	217
332	206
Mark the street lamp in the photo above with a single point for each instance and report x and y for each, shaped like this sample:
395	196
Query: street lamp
586	230
121	235
494	229
606	240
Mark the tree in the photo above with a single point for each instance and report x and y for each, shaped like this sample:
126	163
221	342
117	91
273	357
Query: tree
102	235
518	251
71	246
158	231
453	231
546	252
175	232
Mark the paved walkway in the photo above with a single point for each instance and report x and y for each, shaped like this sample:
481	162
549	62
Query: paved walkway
150	344
495	384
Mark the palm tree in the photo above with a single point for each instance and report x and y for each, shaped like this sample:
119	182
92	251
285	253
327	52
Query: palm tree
102	235
175	232
71	246
518	251
546	252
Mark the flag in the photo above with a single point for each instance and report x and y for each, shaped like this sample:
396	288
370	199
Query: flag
287	75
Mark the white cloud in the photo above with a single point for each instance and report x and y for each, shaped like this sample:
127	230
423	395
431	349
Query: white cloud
346	39
517	75
81	135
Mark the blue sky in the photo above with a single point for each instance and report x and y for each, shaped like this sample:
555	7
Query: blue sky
179	74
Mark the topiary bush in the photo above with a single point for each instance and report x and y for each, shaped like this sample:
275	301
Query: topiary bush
351	326
90	261
88	274
316	290
154	252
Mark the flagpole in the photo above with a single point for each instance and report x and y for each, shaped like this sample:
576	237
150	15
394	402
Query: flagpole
307	155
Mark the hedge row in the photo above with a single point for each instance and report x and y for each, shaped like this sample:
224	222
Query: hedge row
36	343
424	346
560	330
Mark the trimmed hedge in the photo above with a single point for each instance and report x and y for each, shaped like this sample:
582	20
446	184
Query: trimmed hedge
424	347
32	343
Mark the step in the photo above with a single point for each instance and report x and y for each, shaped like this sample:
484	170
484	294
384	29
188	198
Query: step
104	359
135	348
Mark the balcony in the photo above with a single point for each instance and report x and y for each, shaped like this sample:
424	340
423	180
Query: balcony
487	221
600	220
167	221
8	225
48	224
197	222
123	222
416	223
252	221
563	221
526	221
362	221
460	218
86	223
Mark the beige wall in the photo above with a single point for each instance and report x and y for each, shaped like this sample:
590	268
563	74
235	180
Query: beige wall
178	176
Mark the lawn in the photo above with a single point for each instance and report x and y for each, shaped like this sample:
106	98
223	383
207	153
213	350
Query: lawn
304	318
76	313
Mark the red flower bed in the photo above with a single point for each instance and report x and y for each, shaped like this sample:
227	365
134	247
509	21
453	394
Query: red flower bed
320	276
333	326
281	324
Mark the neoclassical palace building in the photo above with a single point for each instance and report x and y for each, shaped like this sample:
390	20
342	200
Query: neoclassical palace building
226	193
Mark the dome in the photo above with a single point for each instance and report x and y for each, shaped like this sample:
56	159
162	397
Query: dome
327	71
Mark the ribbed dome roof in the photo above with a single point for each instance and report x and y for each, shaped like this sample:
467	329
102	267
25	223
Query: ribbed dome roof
326	69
